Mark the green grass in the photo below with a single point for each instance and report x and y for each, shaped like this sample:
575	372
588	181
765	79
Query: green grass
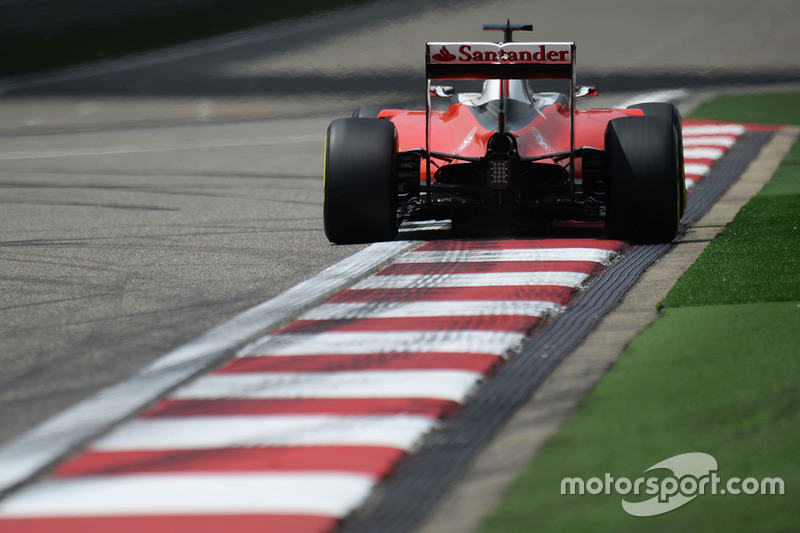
758	108
696	391
34	52
756	257
718	372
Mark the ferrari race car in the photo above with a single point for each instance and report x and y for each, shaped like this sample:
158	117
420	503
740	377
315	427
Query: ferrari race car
503	145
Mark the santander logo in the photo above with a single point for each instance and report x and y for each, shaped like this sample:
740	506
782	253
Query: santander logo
444	55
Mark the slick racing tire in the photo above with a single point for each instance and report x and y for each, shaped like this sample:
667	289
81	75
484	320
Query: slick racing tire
360	203
643	201
669	112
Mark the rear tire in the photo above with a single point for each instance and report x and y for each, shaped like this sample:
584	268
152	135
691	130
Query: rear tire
670	113
642	161
360	203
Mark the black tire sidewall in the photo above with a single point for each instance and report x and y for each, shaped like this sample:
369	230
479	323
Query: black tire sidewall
670	113
360	183
643	203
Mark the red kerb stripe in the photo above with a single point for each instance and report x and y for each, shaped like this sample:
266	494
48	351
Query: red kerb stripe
548	293
374	460
171	524
367	361
700	161
432	407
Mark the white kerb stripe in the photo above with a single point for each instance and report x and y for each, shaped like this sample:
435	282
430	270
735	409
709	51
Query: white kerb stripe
537	254
441	384
320	493
493	342
710	140
703	153
713	129
332	311
500	279
696	169
205	432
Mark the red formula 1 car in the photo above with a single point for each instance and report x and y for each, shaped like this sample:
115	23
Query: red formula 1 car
505	153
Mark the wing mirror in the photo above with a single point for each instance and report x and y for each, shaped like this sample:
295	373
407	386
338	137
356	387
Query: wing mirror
442	91
585	90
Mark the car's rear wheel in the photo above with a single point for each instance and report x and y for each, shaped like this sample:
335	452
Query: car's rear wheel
643	201
360	185
670	113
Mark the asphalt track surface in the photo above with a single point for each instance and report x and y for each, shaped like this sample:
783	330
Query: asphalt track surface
146	201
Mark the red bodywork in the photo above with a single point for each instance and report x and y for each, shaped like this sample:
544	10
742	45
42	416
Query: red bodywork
456	131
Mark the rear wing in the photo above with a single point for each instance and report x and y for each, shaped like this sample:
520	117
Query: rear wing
467	60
